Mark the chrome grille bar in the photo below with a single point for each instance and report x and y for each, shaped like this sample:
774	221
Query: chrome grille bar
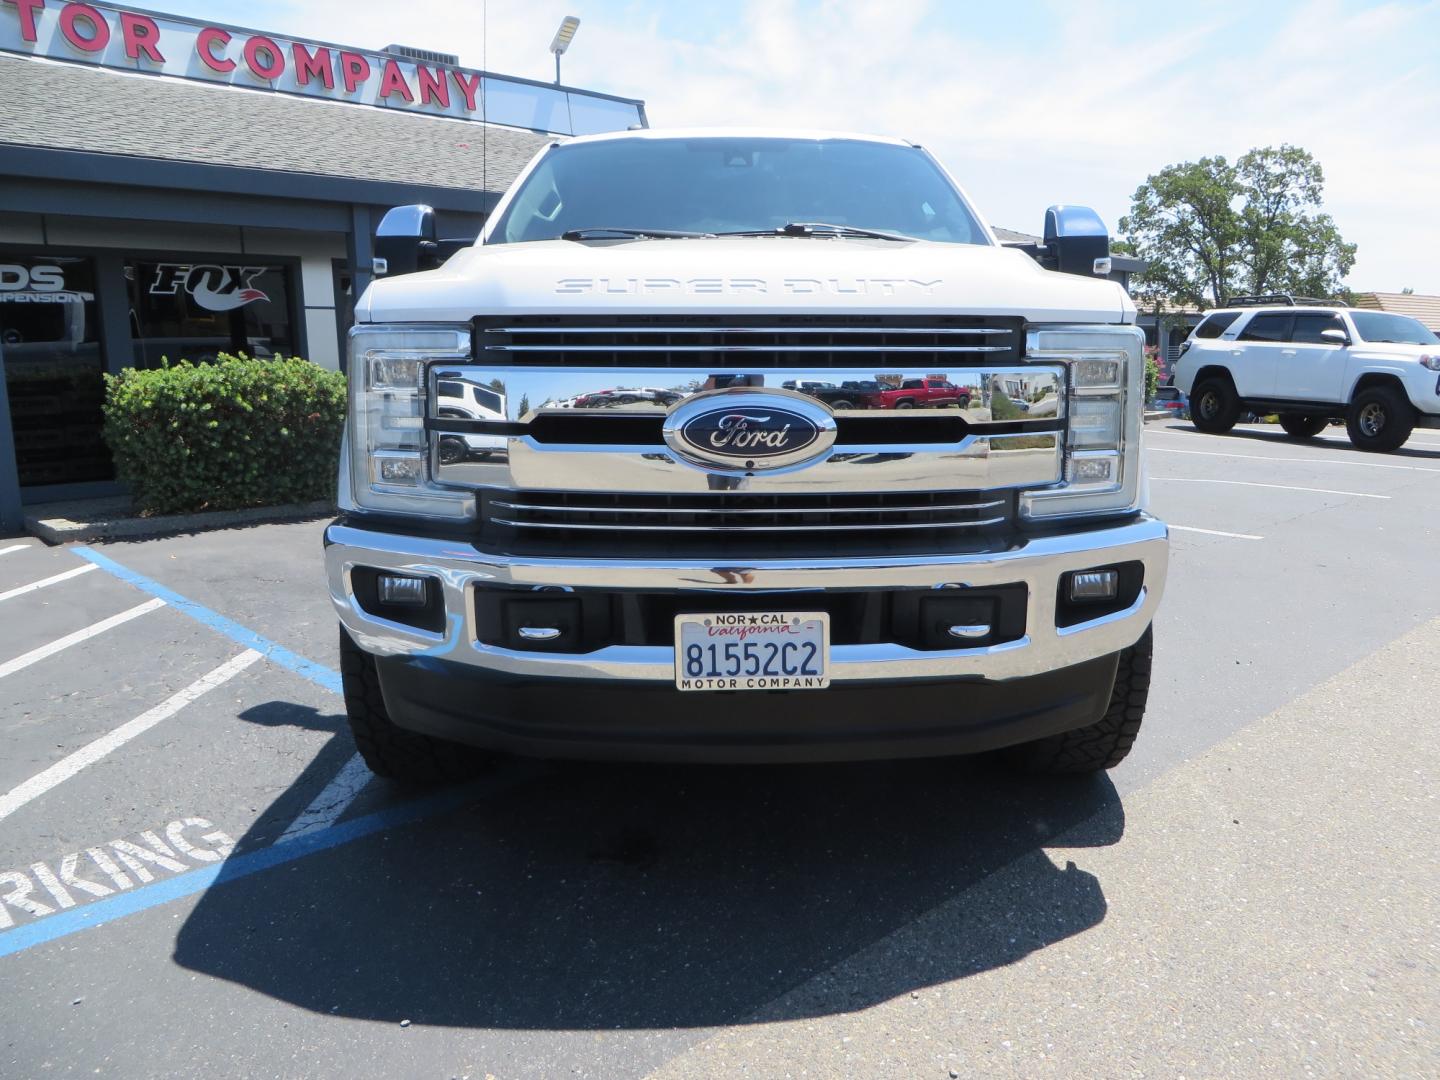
778	329
651	527
934	507
702	348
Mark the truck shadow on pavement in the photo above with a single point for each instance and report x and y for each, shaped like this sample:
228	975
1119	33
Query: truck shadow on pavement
606	896
1333	439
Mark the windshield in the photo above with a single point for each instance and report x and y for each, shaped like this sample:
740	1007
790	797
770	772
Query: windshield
1379	326
723	185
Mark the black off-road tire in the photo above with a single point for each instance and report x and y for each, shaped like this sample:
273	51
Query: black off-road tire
1380	418
905	403
1214	405
391	751
1104	744
1300	426
841	403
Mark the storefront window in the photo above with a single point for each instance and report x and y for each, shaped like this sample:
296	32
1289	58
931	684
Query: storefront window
50	327
195	310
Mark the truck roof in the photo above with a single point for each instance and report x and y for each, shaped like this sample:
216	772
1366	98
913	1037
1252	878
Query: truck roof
816	134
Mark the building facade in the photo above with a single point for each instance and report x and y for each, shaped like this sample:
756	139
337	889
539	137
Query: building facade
174	189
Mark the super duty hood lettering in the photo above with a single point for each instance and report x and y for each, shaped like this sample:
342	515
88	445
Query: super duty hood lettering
722	286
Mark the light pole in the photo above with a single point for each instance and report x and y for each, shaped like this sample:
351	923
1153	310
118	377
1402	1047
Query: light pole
563	37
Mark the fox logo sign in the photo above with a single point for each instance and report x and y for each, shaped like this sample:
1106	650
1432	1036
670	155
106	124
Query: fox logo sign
215	288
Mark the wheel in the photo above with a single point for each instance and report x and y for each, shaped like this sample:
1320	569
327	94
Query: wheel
1299	426
1104	744
1214	408
391	751
452	449
906	404
842	403
1379	418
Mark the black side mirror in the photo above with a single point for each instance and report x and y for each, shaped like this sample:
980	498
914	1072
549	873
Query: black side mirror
1076	241
405	240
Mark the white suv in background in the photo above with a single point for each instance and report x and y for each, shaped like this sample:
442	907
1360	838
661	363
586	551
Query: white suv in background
1312	364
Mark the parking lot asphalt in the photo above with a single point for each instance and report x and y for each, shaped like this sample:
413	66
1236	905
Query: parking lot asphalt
195	878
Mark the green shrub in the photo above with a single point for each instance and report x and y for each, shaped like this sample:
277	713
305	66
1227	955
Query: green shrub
238	432
1152	376
1002	408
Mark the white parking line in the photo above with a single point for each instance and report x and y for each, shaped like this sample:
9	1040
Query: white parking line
87	755
1276	487
1214	532
43	582
36	655
1305	460
325	809
13	547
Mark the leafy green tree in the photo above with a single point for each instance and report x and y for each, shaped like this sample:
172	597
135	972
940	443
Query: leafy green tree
1212	229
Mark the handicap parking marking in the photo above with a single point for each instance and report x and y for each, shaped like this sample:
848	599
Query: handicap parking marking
34	656
276	653
87	755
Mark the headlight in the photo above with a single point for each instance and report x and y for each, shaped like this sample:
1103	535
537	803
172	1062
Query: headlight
1105	384
1431	362
388	460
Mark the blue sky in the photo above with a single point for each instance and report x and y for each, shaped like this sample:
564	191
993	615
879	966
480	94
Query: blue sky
1028	103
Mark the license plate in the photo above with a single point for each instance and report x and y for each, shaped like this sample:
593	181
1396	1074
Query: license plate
753	650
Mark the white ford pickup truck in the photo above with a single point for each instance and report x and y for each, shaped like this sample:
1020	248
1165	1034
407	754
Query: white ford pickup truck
655	538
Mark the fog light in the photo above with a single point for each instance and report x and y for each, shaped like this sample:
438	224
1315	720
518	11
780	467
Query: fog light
1090	585
403	591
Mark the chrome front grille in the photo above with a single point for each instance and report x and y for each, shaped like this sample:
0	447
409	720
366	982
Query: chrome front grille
668	516
818	341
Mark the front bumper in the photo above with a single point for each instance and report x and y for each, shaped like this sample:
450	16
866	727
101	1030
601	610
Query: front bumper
1035	562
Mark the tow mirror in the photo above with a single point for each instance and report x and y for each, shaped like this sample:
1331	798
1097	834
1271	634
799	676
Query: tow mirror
1076	241
1337	337
405	242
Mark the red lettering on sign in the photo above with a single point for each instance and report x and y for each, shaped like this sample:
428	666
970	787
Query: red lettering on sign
392	81
141	36
469	86
433	87
205	43
356	70
314	65
26	10
264	58
99	35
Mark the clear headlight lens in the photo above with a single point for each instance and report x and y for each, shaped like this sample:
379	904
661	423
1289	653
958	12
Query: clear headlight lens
1431	362
1103	397
388	466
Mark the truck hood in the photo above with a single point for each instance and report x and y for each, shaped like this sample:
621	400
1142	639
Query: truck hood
743	275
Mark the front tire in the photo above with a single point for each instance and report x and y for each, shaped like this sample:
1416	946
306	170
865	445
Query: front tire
1214	406
1379	419
1298	426
388	749
1104	744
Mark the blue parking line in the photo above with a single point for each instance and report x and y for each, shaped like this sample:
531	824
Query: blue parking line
236	867
276	653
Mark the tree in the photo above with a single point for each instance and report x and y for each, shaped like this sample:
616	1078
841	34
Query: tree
1211	229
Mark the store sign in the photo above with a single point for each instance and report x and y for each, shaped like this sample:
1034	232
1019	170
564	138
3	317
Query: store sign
38	284
109	36
214	288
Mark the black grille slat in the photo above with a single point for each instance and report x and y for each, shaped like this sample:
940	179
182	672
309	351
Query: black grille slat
817	341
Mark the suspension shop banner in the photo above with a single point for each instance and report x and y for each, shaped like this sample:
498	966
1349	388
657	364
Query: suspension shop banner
125	38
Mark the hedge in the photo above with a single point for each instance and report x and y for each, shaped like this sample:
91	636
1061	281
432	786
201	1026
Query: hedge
225	435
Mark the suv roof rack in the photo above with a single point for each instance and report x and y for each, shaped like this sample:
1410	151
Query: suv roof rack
1267	299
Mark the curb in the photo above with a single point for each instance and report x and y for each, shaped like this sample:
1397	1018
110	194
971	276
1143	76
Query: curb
105	520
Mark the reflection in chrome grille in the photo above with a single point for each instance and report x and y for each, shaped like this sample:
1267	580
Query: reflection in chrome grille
750	341
659	514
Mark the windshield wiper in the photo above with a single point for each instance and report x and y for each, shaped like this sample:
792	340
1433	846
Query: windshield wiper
607	233
821	228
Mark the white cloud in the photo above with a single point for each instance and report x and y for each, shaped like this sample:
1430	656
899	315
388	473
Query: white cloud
1082	112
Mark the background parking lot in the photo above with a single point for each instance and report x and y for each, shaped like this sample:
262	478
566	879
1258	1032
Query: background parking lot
196	877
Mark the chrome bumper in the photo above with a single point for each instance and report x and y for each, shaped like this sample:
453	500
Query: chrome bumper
1037	563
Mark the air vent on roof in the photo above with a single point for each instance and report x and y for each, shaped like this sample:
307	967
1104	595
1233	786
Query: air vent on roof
425	56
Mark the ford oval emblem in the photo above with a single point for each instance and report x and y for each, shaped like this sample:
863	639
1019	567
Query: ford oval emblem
748	429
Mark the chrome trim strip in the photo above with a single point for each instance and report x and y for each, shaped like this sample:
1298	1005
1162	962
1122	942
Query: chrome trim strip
669	528
568	347
775	510
778	328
